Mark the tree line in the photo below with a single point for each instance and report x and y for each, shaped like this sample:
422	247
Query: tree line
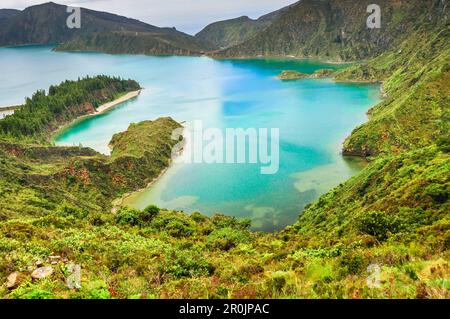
43	112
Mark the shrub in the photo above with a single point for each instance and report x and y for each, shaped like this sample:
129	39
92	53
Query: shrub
439	193
149	213
378	224
186	264
179	228
276	282
198	217
67	210
174	225
222	221
128	216
39	294
227	238
351	263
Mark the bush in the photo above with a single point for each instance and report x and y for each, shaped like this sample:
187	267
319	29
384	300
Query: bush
378	224
39	294
128	216
351	264
67	210
198	217
179	228
276	282
227	238
439	193
174	225
186	264
222	221
149	213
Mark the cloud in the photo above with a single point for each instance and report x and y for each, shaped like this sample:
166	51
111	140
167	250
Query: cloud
186	15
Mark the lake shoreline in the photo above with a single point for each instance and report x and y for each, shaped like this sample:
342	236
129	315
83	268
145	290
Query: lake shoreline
110	105
100	110
119	202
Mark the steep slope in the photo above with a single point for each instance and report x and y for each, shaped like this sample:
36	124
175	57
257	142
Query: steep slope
336	29
403	196
406	194
416	79
8	13
46	24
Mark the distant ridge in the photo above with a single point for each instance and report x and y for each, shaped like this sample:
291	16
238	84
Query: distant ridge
46	24
226	33
8	13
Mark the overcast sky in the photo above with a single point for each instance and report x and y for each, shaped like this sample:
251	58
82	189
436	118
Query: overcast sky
186	15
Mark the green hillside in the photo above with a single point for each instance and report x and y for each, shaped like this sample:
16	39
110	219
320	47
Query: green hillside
416	80
336	30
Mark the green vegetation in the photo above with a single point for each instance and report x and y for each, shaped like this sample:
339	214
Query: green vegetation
292	75
392	216
227	33
415	113
43	113
288	75
336	30
37	178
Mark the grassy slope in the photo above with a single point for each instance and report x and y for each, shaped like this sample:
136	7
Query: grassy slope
227	33
416	79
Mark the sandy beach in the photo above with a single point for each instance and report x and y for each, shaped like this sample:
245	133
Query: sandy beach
102	108
112	104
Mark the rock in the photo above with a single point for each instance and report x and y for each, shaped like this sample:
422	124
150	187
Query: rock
292	75
54	259
42	272
13	280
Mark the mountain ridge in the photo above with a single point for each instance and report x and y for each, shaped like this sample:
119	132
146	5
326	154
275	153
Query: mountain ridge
46	24
336	30
226	33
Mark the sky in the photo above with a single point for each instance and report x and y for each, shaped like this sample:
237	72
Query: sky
189	16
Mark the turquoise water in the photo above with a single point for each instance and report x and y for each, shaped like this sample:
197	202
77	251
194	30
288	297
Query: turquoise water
313	116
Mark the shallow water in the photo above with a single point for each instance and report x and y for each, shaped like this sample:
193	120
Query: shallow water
313	116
